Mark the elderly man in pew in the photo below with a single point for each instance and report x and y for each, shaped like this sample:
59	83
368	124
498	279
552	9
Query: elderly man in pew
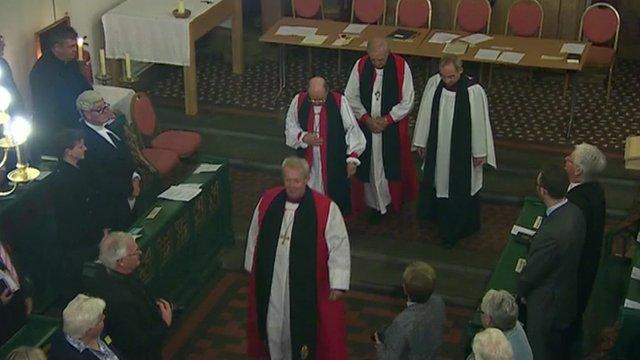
137	322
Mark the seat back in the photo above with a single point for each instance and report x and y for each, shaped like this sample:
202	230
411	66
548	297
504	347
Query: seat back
413	13
369	11
307	9
472	16
525	18
144	115
600	24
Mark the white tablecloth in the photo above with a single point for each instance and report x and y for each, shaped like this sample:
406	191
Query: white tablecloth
118	97
147	30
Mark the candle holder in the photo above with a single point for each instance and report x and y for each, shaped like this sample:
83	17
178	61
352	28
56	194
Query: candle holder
130	80
104	79
184	15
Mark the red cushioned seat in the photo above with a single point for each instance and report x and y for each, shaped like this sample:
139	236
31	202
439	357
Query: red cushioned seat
525	18
413	13
162	160
307	8
473	15
600	56
185	143
368	11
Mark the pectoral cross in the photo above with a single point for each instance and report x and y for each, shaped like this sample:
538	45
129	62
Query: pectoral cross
377	95
284	238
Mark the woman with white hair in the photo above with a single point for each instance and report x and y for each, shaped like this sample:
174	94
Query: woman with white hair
82	325
491	344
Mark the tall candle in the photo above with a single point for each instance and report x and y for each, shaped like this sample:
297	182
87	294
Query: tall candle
80	41
127	66
181	7
103	63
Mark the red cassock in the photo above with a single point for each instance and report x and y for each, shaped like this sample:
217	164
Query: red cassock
407	188
331	327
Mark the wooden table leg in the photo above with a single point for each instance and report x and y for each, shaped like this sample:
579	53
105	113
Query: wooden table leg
190	83
236	38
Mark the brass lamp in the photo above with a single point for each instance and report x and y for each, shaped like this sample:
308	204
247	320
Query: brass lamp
16	131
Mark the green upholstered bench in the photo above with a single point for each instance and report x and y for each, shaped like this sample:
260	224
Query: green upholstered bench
36	332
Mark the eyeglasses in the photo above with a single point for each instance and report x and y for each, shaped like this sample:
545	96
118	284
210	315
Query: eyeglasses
102	109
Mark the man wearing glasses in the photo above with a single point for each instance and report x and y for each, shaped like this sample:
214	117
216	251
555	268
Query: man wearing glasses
108	164
321	127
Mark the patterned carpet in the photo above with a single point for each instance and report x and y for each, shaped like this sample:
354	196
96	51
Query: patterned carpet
531	111
216	330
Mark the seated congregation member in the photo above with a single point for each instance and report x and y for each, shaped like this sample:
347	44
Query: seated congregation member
136	321
78	235
108	165
547	282
491	344
81	336
321	127
56	81
26	353
500	310
15	300
416	333
583	166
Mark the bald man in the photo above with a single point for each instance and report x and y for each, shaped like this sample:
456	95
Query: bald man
323	130
380	92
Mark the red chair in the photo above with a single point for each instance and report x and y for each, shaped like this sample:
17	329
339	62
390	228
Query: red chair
413	13
184	143
149	160
472	16
525	19
600	25
369	11
307	9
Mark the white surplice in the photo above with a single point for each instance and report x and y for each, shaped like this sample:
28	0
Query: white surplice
353	136
376	191
481	135
339	264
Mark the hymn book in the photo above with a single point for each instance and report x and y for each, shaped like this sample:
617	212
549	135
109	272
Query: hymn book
456	48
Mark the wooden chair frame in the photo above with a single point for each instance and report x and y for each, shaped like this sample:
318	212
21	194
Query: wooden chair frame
66	21
384	13
455	16
428	16
293	9
506	24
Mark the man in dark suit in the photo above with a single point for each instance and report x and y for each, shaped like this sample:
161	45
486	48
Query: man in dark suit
583	166
548	281
136	321
56	81
108	164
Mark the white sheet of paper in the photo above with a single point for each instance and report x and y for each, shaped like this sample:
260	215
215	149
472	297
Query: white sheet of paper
296	30
180	193
510	57
207	168
191	185
516	229
355	28
6	277
635	273
43	174
487	54
442	38
475	39
630	304
520	265
572	48
314	40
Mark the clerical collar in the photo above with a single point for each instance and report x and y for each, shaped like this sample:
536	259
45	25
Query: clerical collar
294	201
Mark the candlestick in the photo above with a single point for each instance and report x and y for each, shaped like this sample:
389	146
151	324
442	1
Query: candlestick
80	41
181	7
103	63
127	66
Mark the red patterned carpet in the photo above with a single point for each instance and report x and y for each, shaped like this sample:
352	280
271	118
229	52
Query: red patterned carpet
216	329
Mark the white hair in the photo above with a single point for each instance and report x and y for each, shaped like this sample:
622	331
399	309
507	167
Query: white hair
298	163
589	159
502	307
113	247
491	344
81	314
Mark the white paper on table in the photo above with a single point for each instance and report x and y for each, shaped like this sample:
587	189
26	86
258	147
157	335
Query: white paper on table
572	48
296	30
475	39
487	54
366	43
191	185
510	57
355	28
43	174
635	273
314	39
516	229
180	193
630	304
442	38
207	168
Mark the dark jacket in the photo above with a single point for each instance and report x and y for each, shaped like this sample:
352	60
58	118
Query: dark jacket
13	315
109	170
133	319
589	197
62	350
